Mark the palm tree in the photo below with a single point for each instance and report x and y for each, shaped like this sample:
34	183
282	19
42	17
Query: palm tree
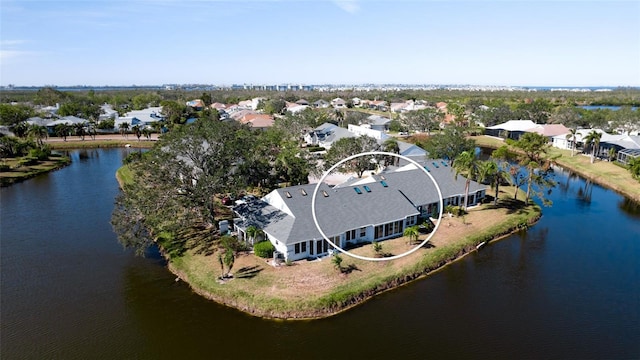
79	129
20	129
147	133
39	133
124	128
91	128
466	164
137	131
593	138
339	116
572	136
634	167
62	130
412	232
391	145
491	172
253	233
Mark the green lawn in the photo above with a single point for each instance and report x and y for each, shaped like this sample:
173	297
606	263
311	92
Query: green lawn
604	173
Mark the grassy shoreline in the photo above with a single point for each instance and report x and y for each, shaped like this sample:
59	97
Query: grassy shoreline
315	289
275	293
604	173
21	172
105	143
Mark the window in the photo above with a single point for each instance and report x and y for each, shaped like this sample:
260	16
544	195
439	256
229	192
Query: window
363	232
296	248
350	235
303	247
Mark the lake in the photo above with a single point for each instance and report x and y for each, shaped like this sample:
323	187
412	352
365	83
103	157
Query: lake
566	288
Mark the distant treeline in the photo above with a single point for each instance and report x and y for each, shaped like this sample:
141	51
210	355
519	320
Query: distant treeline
51	96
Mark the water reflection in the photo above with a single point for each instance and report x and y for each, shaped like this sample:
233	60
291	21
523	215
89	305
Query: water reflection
630	207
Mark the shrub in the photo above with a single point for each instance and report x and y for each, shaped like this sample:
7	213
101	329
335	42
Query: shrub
27	161
5	167
40	153
264	249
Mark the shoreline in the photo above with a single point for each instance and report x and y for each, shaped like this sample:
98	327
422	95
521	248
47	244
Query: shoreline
409	273
565	165
58	163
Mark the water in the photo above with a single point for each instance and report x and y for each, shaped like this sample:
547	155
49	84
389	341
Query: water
567	288
604	107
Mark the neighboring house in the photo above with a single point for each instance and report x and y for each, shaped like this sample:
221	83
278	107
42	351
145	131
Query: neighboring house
607	141
295	107
366	129
625	156
302	102
197	104
107	112
338	103
411	150
258	121
375	208
511	129
549	130
38	121
379	105
143	118
377	122
321	104
326	134
619	143
398	107
218	106
51	110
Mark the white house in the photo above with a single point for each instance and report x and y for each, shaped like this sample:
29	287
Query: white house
377	122
338	103
375	208
326	134
366	129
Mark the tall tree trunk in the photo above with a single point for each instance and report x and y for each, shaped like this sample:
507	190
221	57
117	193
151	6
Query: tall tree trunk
466	193
495	200
529	181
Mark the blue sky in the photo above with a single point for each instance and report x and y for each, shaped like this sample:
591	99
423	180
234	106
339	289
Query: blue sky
149	42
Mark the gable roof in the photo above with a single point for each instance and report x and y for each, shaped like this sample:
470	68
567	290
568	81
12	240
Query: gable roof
514	125
286	214
549	129
378	120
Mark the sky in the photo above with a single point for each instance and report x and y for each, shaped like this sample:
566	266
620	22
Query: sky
155	42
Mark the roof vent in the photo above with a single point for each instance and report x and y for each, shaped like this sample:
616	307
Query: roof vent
357	190
287	194
426	168
324	193
435	164
444	163
384	183
303	192
366	188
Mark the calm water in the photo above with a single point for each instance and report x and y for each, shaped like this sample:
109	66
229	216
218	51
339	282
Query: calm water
567	288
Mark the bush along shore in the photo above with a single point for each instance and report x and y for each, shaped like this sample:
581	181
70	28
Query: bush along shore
318	288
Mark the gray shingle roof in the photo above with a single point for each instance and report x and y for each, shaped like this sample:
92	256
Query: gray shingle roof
345	209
